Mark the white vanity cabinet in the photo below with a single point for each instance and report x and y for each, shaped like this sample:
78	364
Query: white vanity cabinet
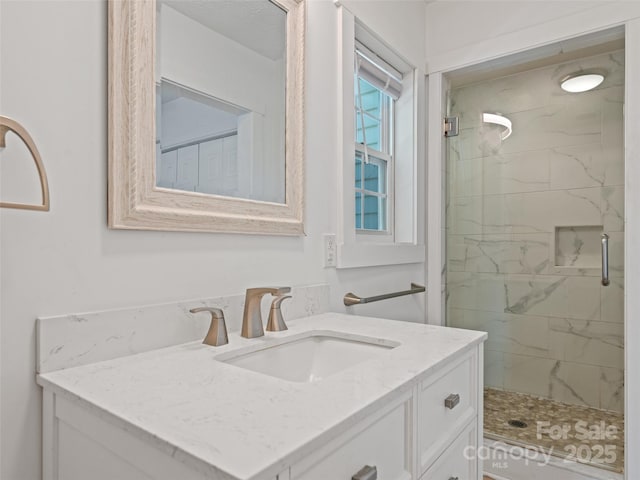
414	412
415	437
383	440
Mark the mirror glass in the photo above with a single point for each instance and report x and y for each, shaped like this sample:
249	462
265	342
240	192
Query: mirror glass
220	98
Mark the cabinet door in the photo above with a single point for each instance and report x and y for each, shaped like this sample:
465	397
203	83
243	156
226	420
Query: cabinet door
382	441
230	165
166	169
210	178
80	457
79	445
187	168
447	401
459	461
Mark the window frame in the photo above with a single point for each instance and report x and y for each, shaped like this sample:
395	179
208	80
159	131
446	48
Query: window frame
365	248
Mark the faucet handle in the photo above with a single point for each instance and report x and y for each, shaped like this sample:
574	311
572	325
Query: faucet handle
217	334
276	321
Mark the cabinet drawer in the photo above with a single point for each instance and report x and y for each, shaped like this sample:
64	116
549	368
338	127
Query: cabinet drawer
459	461
447	401
383	441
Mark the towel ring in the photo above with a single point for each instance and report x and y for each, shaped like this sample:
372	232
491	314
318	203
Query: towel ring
9	125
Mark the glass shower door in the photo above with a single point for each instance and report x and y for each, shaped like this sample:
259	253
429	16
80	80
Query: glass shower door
532	189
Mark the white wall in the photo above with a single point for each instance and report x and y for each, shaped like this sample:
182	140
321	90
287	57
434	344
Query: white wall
397	22
458	32
54	81
469	21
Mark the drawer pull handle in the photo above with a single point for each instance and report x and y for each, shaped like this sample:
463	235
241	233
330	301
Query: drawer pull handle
366	473
450	402
453	478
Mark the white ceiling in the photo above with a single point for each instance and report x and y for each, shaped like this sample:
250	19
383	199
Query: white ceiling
259	25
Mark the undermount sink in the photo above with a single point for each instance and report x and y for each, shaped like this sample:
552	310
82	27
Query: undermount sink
310	358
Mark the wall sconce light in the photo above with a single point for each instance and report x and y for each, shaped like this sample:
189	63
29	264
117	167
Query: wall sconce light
499	120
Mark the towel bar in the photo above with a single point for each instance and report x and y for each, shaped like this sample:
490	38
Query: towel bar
352	299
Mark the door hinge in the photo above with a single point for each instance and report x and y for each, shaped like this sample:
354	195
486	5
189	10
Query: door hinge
450	126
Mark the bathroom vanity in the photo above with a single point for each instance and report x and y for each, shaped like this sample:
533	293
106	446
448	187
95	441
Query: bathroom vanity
320	401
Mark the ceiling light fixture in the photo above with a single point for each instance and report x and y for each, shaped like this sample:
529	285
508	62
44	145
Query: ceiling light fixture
581	82
499	120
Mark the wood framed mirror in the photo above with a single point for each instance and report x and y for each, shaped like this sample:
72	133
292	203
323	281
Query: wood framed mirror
194	145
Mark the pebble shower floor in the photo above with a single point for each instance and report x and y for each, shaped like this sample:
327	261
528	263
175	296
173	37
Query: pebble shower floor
583	434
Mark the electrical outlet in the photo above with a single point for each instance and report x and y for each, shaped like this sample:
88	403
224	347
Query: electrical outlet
330	250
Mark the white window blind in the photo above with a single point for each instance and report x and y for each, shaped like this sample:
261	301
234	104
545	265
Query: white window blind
378	72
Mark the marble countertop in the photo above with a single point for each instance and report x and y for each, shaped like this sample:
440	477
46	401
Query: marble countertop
231	423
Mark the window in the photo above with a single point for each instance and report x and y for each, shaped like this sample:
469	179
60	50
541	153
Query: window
381	199
376	87
371	193
373	156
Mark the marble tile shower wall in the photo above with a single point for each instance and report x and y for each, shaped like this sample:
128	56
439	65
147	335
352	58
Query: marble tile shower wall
554	331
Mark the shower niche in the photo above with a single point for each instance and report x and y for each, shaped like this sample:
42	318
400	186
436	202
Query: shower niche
578	246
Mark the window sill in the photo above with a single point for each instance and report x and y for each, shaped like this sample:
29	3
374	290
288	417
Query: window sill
372	255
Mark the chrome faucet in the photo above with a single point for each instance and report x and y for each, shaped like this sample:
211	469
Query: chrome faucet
252	318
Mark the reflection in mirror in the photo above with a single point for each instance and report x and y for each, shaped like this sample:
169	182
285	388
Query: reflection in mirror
220	98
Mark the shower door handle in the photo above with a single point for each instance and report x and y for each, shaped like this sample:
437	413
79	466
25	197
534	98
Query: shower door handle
605	259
